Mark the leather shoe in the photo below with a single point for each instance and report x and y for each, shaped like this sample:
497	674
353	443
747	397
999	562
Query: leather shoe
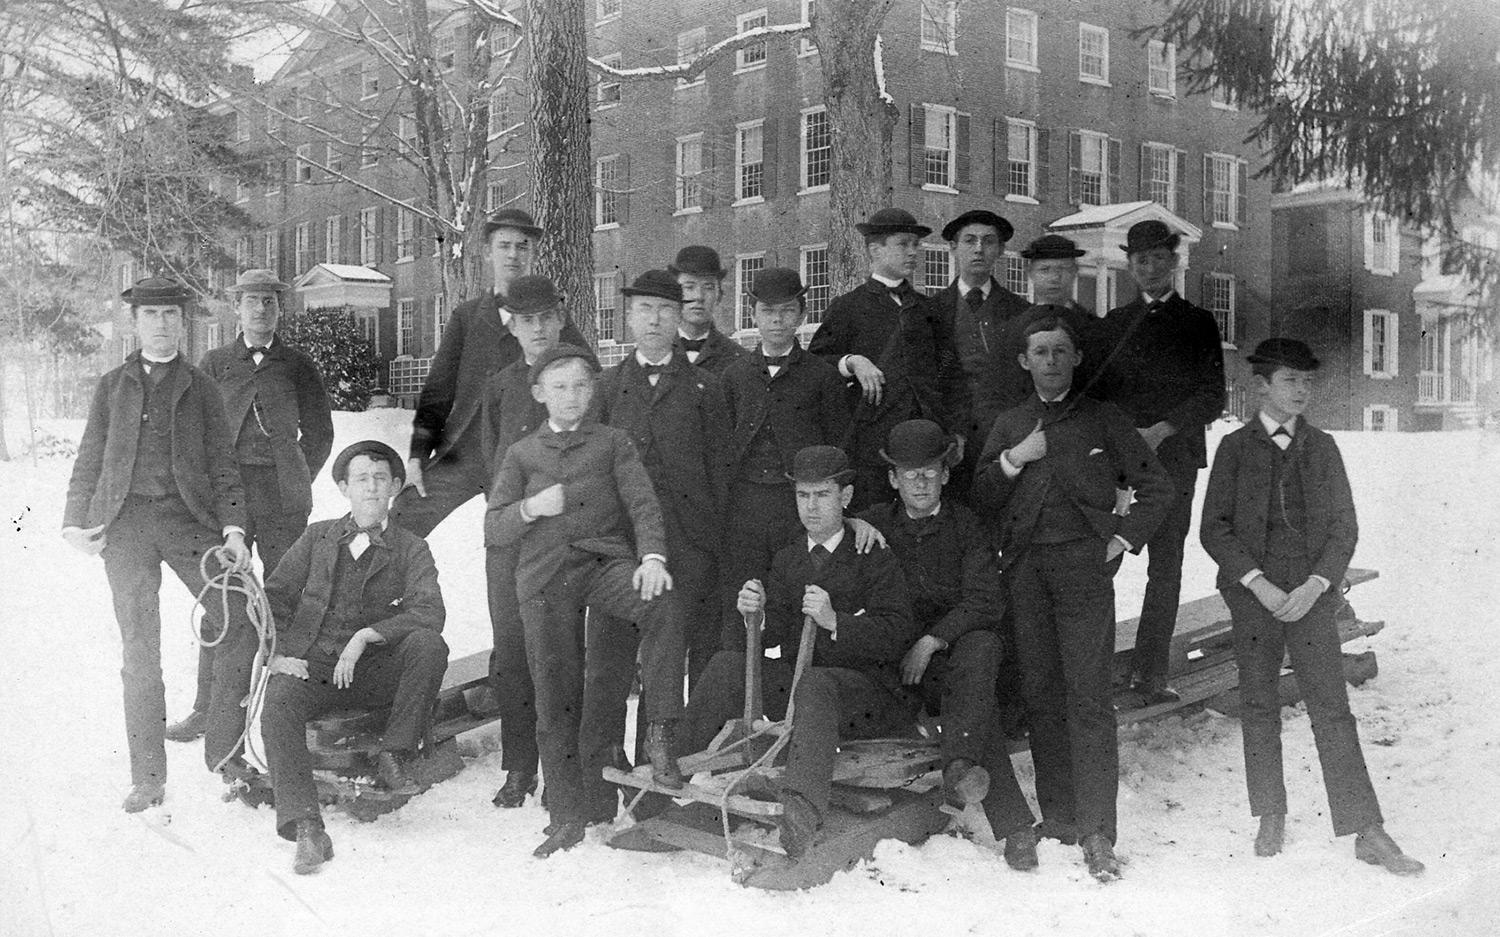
314	847
143	795
1020	849
1272	832
189	728
1100	856
659	738
1062	832
798	824
1375	846
1154	692
517	785
394	771
964	783
564	835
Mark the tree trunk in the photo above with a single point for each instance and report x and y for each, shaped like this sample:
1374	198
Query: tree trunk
561	156
862	125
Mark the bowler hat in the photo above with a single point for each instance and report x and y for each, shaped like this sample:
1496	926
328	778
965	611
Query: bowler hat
1286	352
1052	247
512	218
1144	235
558	353
699	261
259	280
979	216
776	285
377	451
157	291
892	221
821	464
532	295
918	442
659	283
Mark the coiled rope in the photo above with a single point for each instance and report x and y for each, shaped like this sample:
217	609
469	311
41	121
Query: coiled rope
230	582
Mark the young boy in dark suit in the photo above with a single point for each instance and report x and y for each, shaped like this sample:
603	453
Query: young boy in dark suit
1279	520
576	498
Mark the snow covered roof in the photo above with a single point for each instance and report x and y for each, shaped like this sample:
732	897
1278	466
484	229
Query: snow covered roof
1121	215
345	272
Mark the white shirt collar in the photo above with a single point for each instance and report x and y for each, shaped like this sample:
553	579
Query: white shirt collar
558	429
831	544
1271	425
151	360
889	283
935	512
682	332
641	359
1058	399
984	288
1157	299
504	313
245	340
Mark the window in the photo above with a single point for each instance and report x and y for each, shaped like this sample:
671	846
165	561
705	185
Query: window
241	128
439	317
304	163
745	268
936	267
446	51
369	80
1218	293
1223	191
369	236
406	129
690	45
213	334
333	239
369	151
606	199
406	236
940	26
606	305
273	251
607	93
1219	97
406	339
815	276
749	162
275	169
127	273
1381	345
1382	244
241	190
1093	156
689	173
1020	39
1021	159
1161	174
334	160
1380	418
302	247
1015	275
752	56
501	117
807	46
1093	54
938	149
606	10
1161	68
241	253
817	149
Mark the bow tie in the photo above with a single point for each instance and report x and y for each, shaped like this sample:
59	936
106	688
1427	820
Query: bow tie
254	350
650	369
352	530
777	361
692	344
1282	431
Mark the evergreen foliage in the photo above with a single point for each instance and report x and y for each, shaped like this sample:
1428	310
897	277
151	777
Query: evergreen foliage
346	359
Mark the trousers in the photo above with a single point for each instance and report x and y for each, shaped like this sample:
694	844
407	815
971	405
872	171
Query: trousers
1164	552
509	673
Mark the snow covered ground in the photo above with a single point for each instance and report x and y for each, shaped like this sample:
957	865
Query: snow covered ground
449	864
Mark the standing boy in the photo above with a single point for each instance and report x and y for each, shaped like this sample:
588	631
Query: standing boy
700	273
1048	478
1279	520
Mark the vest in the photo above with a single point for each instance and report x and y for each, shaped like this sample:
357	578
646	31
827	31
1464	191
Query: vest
344	603
151	475
1287	564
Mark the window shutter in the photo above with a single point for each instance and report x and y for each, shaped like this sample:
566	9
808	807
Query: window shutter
1369	342
1043	163
1115	190
1369	224
916	142
671	147
706	174
319	240
769	164
380	235
1180	201
1393	245
1242	195
1075	170
961	157
1142	180
1208	195
622	183
1393	343
1000	155
1205	289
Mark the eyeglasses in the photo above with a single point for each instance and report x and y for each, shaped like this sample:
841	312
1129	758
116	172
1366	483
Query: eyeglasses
913	474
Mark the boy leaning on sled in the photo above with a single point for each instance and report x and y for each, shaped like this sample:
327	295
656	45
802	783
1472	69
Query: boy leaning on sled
1279	520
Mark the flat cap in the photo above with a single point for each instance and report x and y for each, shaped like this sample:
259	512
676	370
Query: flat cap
1053	247
892	221
699	261
659	283
979	216
512	218
1285	352
377	451
559	353
820	464
157	291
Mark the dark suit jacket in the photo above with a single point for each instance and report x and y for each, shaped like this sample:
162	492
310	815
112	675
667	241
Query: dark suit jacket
400	593
680	427
1237	506
203	465
984	341
475	345
1171	368
868	592
509	413
1092	449
923	379
951	566
717	352
804	404
611	507
293	408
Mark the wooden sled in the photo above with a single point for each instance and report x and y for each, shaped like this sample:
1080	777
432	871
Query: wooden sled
883	789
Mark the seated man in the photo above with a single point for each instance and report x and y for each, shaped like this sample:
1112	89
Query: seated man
864	625
952	573
358	615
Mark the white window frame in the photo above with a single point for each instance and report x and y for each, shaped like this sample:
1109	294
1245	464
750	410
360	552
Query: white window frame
752	57
439	318
241	191
1224	313
1014	271
606	285
333	239
805	46
1096	32
272	244
1382	259
742	167
1388	420
1170	152
938	26
241	253
406	129
946	119
691	43
940	257
826	150
369	80
609	91
446	48
406	326
1382	357
606	203
406	235
811	258
333	160
607	10
303	171
1218	96
369	156
369	234
745	268
1161	69
1231	165
1026	21
274	179
688	190
1029	196
1102	139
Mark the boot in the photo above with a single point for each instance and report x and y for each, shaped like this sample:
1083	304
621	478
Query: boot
1375	846
798	824
143	795
1020	849
964	783
564	835
1272	832
314	847
1100	856
517	785
190	728
660	737
394	770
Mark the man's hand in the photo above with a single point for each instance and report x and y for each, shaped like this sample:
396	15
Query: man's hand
291	666
239	553
1033	447
871	379
1156	432
914	664
650	578
414	476
815	602
866	536
89	541
1299	601
751	603
1271	597
546	503
958	454
343	671
1112	549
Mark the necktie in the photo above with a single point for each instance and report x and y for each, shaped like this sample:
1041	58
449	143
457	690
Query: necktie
902	292
819	556
776	361
975	298
1281	437
254	350
650	370
692	344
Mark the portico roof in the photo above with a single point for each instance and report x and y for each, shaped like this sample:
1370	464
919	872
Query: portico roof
333	285
1100	230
